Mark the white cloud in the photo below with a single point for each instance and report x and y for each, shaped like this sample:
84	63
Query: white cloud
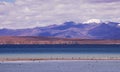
32	13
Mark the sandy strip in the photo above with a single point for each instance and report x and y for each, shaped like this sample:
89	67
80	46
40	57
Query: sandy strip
53	59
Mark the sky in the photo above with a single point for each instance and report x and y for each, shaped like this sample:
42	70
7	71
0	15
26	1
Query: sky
7	0
19	14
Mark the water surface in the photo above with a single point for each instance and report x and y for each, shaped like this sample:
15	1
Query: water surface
59	51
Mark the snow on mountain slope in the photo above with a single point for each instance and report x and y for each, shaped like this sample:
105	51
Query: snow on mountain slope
97	21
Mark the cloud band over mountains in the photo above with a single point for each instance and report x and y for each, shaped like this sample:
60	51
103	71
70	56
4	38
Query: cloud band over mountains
32	13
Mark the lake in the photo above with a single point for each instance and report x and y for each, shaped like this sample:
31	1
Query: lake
60	51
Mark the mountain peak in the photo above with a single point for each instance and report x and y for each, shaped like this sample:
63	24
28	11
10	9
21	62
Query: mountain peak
97	21
69	23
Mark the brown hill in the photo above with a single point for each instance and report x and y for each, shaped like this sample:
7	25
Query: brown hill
51	40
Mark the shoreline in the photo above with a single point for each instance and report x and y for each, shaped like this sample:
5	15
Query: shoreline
4	40
56	59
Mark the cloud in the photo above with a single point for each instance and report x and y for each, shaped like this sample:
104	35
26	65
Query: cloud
29	13
103	1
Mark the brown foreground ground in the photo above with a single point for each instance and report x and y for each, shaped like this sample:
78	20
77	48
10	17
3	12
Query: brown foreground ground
52	40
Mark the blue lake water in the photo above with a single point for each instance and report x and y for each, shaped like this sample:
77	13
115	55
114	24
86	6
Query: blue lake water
62	66
46	51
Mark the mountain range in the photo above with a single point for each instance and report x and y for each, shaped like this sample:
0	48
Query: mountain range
92	29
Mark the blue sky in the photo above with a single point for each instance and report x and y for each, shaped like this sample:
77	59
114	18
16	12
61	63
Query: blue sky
7	0
34	13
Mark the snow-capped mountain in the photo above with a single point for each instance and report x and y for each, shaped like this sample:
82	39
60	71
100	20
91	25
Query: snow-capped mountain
92	29
97	21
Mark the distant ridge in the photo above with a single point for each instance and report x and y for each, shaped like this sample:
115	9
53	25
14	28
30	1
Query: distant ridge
93	29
